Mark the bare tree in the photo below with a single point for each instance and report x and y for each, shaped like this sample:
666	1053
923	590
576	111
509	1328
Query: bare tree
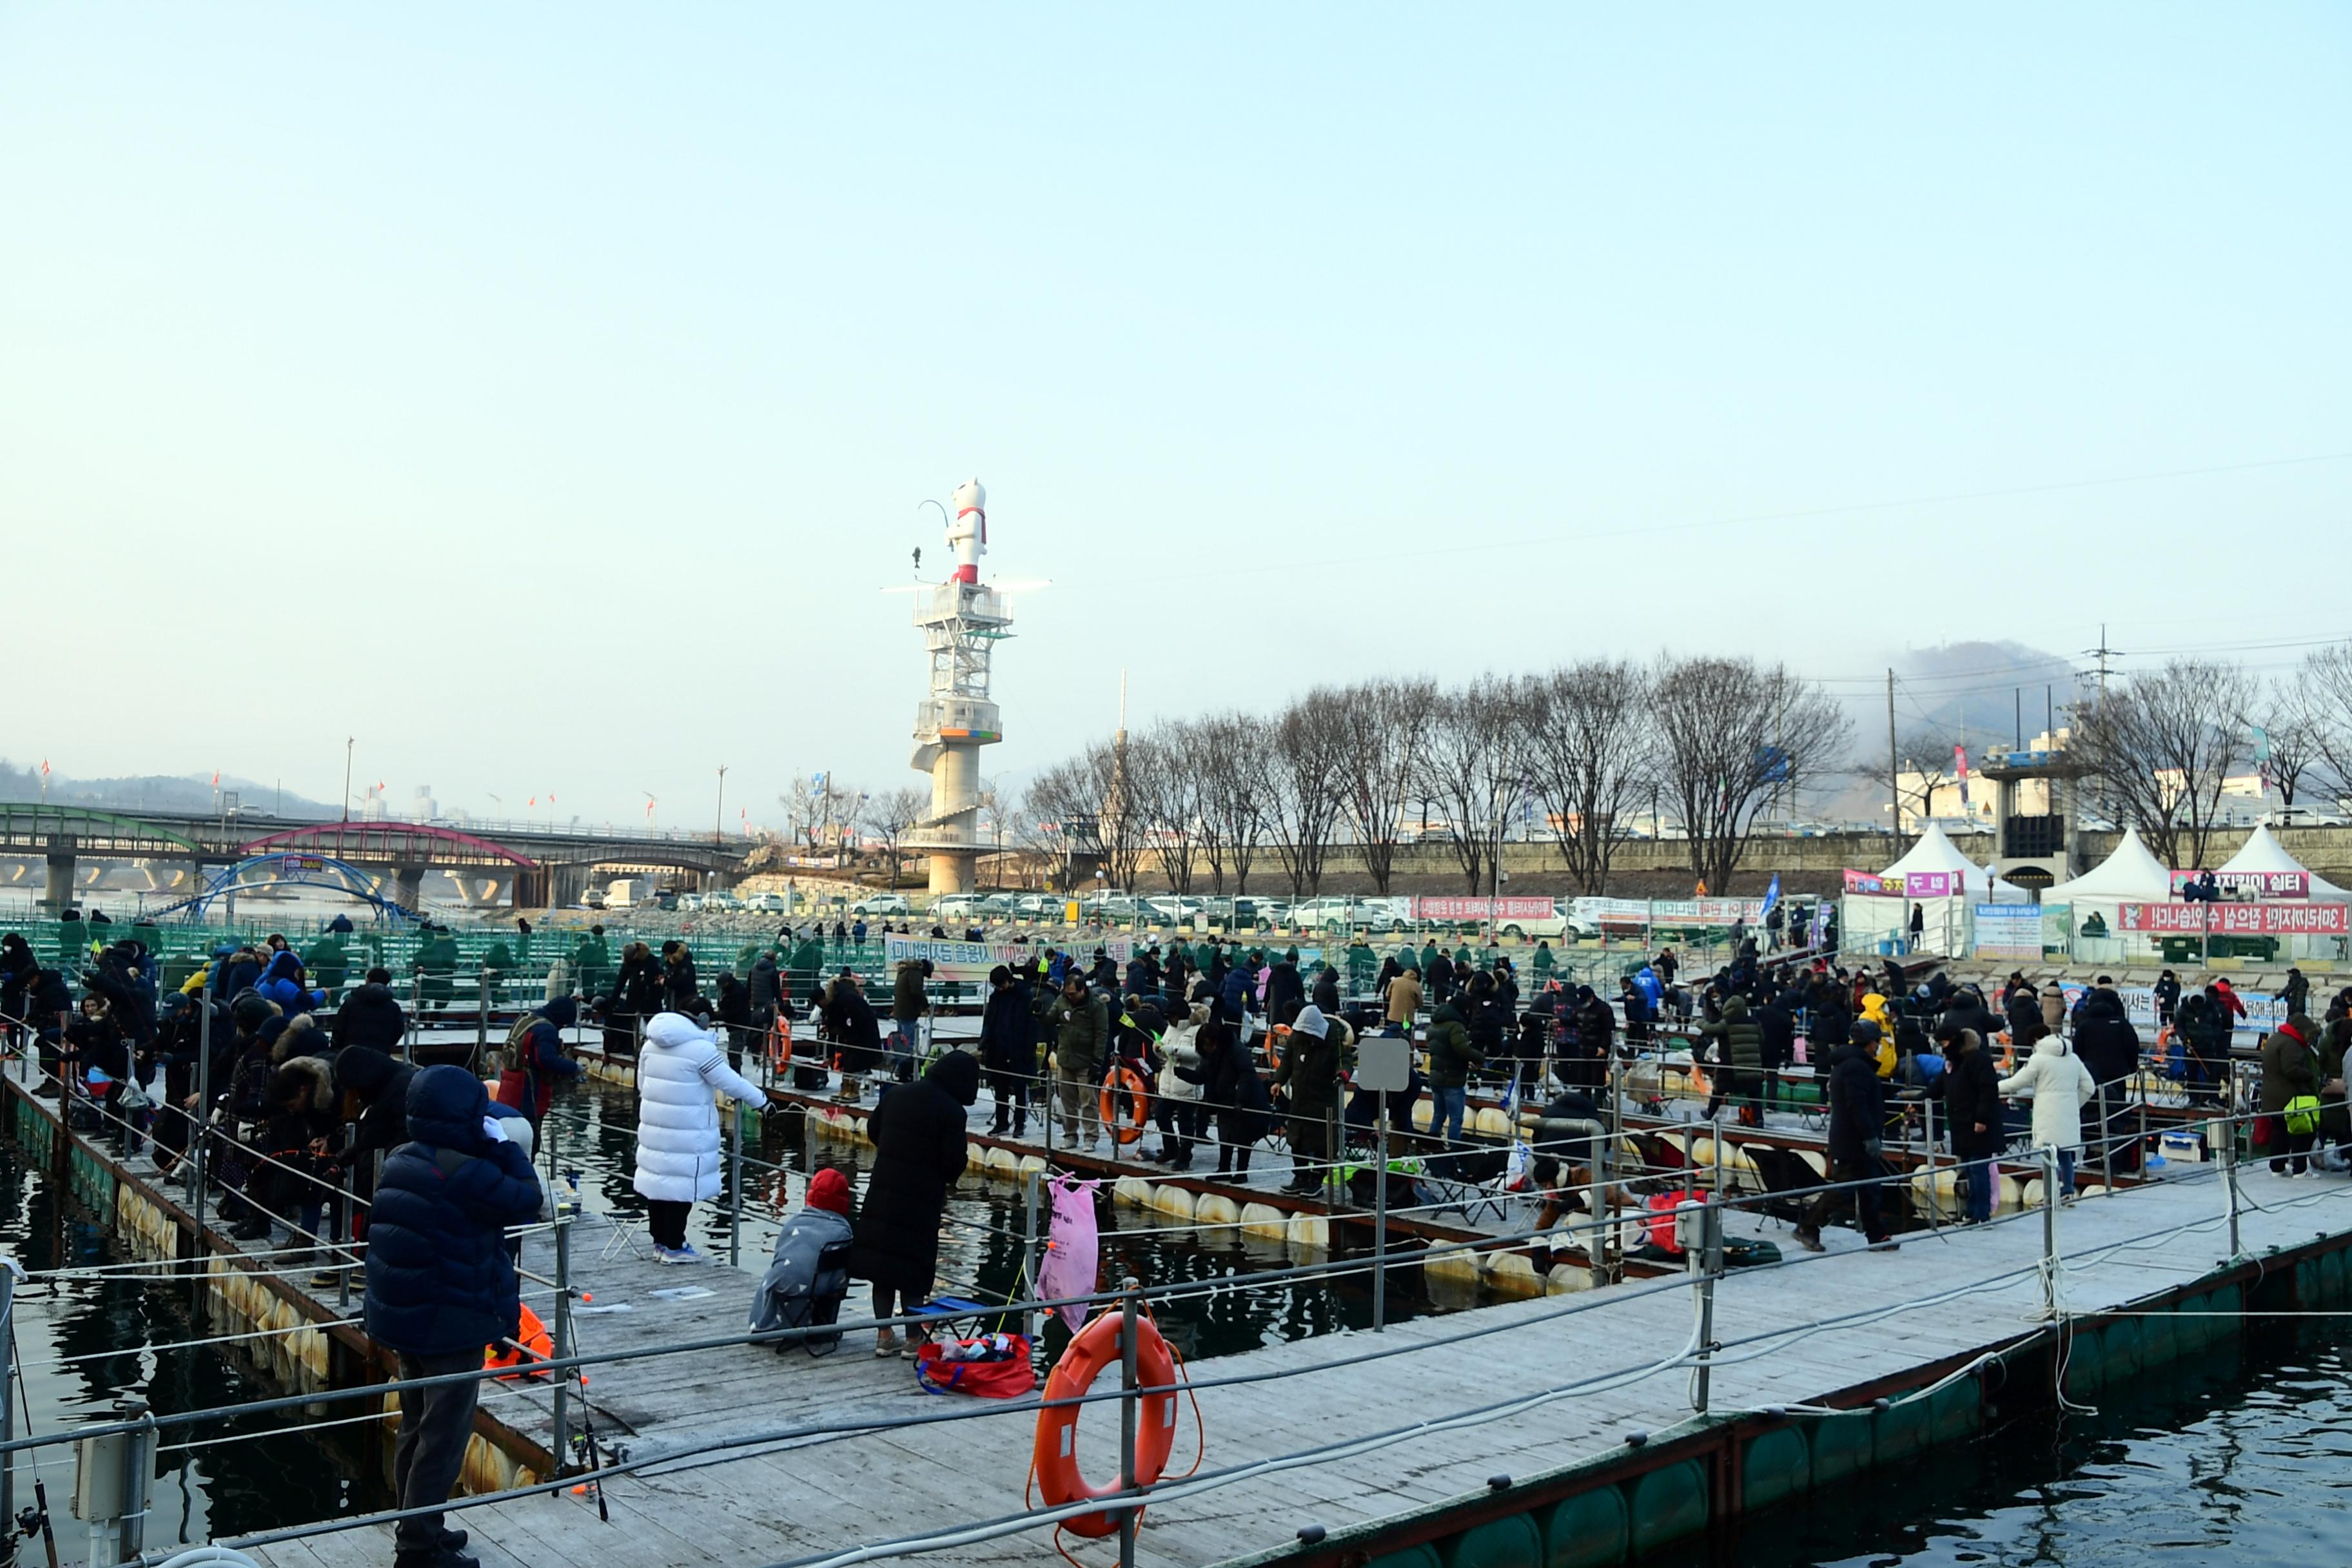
1383	725
1296	776
1233	806
814	805
1471	762
890	815
1588	746
1061	807
1165	786
1928	765
1730	733
2323	688
2163	743
2286	741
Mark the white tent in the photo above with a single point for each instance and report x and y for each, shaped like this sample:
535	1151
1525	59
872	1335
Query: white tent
2130	874
2264	852
1946	919
1936	852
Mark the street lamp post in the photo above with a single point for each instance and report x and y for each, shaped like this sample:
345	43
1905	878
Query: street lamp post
718	818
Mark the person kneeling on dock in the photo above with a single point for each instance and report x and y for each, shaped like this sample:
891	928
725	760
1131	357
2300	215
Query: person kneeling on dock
440	1288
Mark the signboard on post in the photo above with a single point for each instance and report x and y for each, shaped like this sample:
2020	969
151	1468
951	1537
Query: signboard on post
2236	919
1383	1063
2009	931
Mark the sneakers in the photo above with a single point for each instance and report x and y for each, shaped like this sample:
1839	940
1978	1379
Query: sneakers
1810	1240
677	1254
1884	1243
885	1343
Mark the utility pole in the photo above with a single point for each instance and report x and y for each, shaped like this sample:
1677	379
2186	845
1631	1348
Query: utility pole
718	818
349	741
2106	796
1894	767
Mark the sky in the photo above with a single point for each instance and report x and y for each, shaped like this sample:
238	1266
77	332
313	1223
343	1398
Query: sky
540	396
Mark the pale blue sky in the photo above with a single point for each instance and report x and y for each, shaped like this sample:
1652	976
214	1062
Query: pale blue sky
541	393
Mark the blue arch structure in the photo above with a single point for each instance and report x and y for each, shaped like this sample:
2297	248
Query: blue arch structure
287	869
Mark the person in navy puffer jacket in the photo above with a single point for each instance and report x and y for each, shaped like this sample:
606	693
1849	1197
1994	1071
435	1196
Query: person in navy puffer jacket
441	1288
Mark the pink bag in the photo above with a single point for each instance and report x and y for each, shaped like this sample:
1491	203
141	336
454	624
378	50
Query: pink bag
1073	1255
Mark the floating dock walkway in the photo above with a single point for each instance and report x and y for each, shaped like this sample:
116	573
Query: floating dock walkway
1552	1429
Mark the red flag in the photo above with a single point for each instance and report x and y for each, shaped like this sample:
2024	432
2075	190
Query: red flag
44	767
216	778
534	803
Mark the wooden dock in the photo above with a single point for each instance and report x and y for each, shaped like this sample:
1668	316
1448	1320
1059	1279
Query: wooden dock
732	1472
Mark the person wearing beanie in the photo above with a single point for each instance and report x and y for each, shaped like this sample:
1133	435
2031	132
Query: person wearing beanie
806	1283
919	1152
1311	1071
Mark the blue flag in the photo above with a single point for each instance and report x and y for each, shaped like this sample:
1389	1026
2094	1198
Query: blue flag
1772	894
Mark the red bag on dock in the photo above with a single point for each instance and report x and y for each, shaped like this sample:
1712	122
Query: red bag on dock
1007	1379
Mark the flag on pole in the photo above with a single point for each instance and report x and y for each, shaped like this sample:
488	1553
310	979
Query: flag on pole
44	767
1960	766
1771	895
216	778
532	804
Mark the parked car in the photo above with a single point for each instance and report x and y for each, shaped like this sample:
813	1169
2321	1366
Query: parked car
882	904
1037	907
766	903
724	903
1175	909
592	900
998	906
957	907
1326	914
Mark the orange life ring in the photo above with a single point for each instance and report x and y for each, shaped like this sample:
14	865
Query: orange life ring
780	1041
539	1345
1091	1349
1126	1081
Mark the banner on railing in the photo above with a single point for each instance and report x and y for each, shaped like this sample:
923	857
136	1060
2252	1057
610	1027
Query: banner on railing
2009	931
968	962
2236	919
2251	884
1669	911
1430	908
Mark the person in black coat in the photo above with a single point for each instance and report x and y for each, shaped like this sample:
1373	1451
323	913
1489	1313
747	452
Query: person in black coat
2168	997
380	1083
372	1016
1008	1049
919	1152
856	1032
1285	993
2109	1047
1972	1104
1967	1010
1231	1089
1326	993
1857	1121
1776	1025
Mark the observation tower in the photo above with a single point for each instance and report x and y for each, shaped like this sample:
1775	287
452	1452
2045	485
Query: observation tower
961	622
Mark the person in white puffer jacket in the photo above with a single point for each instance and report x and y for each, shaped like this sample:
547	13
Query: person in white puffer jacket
679	1066
2060	1085
1182	1118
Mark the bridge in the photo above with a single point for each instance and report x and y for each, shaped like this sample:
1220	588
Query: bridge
520	864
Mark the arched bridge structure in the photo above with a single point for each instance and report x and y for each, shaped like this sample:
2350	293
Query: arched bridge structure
525	864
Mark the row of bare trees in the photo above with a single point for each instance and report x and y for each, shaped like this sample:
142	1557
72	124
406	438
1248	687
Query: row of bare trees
2163	743
1365	768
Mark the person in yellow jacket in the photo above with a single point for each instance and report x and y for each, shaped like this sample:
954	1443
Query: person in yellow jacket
1873	1010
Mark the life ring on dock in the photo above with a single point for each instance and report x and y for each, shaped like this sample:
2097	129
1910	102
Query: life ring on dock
1128	1081
780	1041
1056	1458
538	1345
